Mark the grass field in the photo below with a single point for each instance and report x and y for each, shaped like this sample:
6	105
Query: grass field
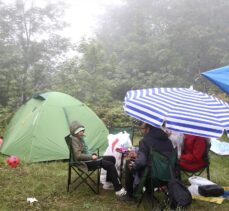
47	183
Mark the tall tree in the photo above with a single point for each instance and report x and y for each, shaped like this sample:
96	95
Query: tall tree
31	47
165	43
85	75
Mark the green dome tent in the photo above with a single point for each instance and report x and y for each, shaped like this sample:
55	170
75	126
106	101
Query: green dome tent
37	130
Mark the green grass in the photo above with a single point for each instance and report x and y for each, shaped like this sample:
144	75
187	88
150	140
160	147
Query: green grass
47	183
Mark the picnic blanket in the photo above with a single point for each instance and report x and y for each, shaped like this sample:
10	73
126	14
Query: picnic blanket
219	147
216	200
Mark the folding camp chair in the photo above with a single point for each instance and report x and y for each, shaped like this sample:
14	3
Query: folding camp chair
156	175
82	175
199	171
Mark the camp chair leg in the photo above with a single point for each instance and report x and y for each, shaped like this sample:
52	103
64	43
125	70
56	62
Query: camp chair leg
208	173
196	173
69	178
85	178
76	179
140	200
139	190
98	179
152	198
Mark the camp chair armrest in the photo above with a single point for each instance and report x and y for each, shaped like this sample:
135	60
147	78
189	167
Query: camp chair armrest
89	161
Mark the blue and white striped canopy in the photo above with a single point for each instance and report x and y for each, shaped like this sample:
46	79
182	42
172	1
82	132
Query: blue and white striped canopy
183	110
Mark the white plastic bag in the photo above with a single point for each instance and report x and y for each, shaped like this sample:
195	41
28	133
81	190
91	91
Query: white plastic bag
176	139
196	180
193	189
116	141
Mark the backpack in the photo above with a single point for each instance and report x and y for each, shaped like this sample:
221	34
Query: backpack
179	195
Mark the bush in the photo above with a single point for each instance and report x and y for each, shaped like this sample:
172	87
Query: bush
113	115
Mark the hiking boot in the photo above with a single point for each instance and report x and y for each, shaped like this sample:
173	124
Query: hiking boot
108	186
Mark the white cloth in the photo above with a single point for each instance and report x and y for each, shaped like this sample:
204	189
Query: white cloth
193	189
116	141
177	140
31	200
196	180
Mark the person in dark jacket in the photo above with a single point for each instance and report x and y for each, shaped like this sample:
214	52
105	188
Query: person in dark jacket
153	137
81	154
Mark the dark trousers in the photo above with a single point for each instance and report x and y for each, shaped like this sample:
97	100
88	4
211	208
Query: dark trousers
108	163
129	180
131	185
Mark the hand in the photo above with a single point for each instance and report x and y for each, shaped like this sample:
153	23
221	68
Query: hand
132	154
94	157
130	166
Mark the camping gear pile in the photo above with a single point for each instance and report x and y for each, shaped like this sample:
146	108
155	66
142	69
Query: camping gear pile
204	187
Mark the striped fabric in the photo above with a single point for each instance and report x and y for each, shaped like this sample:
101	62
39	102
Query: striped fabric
183	110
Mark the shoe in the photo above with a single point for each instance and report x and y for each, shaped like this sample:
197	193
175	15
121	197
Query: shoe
108	186
121	193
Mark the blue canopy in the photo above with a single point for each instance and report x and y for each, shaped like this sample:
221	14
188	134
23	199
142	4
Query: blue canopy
220	77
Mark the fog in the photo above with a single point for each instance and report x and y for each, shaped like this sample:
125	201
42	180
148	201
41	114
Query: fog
114	46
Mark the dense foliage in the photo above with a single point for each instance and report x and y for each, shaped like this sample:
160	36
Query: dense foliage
138	44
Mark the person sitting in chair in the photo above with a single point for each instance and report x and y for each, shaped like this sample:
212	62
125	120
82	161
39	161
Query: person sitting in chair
153	137
192	156
81	153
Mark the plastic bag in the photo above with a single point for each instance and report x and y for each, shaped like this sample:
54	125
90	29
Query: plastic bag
176	139
193	189
196	180
119	140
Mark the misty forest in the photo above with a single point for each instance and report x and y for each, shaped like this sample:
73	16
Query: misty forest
137	44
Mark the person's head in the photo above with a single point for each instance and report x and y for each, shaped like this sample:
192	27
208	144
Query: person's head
77	129
80	134
146	128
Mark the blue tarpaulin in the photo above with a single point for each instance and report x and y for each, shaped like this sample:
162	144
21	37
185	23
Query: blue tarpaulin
220	77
